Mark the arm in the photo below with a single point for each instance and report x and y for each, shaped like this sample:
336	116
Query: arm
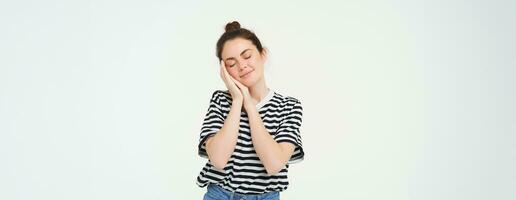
220	146
273	155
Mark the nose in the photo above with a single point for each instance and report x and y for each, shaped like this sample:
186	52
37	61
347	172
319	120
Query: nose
242	67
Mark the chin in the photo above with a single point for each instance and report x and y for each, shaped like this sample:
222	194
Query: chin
249	82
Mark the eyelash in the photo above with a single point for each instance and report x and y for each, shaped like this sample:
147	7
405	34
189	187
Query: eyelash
235	63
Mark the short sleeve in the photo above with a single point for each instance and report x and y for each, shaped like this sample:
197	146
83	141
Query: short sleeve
289	131
212	123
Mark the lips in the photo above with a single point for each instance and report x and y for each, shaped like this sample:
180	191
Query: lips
246	74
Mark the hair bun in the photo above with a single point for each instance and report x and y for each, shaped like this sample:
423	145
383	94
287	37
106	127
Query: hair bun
232	26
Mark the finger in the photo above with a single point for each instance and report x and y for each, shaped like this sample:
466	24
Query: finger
223	76
226	72
226	80
240	85
225	69
221	73
228	76
236	82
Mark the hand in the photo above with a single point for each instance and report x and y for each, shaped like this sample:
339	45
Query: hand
248	100
236	94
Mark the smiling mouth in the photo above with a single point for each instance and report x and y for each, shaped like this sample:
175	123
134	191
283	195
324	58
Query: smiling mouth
246	74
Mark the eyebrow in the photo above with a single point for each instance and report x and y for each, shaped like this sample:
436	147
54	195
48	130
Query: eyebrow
240	54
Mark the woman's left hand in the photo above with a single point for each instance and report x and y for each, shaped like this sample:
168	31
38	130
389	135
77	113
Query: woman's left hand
248	100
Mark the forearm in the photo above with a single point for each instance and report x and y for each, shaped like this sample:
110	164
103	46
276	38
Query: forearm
220	146
272	155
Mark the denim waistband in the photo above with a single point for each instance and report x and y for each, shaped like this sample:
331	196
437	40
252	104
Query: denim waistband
237	196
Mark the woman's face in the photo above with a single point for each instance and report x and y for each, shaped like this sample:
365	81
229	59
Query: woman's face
243	61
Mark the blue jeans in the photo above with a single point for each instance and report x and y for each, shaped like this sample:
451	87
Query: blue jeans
216	192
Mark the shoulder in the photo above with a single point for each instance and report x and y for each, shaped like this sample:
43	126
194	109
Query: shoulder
219	95
285	100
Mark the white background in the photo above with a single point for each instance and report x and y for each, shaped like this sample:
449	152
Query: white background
402	99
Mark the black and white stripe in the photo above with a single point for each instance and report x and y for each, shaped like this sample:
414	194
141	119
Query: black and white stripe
244	172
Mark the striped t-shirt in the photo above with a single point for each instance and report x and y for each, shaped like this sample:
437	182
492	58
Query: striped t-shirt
244	172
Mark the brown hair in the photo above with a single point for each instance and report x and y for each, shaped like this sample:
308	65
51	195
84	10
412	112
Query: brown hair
233	30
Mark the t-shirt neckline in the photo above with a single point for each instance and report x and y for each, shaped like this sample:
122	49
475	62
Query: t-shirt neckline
266	99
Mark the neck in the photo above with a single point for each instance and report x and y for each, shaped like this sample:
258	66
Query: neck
259	90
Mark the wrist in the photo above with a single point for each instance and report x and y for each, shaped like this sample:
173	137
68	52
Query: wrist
236	103
249	105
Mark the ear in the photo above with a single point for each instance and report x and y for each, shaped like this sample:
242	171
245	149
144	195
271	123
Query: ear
265	53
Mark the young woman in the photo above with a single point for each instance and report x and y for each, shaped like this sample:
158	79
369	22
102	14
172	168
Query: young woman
250	133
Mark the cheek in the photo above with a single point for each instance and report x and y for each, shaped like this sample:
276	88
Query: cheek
257	63
232	71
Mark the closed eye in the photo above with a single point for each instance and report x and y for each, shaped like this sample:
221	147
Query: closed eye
234	63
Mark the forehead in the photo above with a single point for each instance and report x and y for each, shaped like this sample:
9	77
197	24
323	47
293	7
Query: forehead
233	48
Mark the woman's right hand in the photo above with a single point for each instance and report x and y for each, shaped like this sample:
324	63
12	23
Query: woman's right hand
236	95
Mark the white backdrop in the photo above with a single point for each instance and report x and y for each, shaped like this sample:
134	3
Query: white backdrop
402	99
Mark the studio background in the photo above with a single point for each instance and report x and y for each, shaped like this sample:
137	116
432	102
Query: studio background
403	100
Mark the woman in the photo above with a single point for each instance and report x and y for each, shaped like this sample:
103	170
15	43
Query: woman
250	133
